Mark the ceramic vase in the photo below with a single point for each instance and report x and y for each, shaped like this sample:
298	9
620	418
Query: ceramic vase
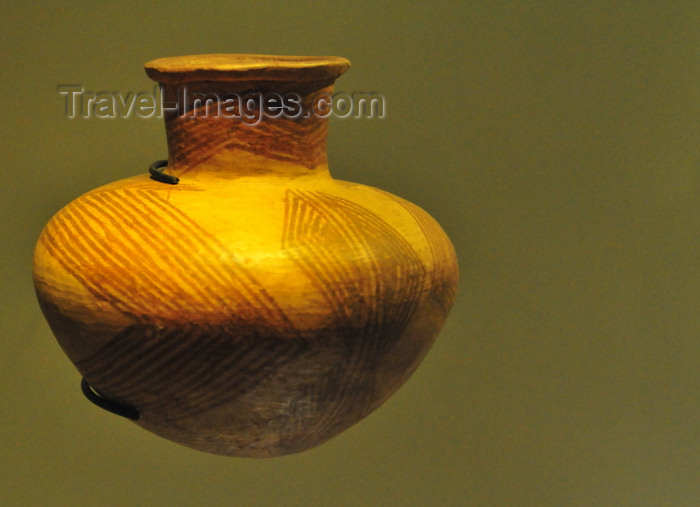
244	302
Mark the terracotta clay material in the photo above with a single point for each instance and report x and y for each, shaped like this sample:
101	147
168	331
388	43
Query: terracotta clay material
258	307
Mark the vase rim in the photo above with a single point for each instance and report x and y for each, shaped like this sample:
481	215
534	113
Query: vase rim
245	67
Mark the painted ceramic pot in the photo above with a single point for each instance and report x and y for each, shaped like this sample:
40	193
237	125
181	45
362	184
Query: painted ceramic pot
256	307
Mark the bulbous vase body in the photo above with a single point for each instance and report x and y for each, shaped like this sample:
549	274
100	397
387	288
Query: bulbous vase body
258	307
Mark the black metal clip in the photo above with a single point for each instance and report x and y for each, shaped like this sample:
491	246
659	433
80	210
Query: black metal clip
110	406
156	169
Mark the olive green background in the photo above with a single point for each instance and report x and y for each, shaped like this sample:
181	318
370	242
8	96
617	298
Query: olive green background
557	144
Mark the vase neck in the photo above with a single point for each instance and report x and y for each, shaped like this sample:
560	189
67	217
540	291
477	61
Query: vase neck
243	115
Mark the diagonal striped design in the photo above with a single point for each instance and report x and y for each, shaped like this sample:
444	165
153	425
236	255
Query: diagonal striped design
371	279
198	138
83	239
186	371
443	274
169	359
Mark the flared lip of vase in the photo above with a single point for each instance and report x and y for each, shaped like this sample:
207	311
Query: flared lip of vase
245	67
